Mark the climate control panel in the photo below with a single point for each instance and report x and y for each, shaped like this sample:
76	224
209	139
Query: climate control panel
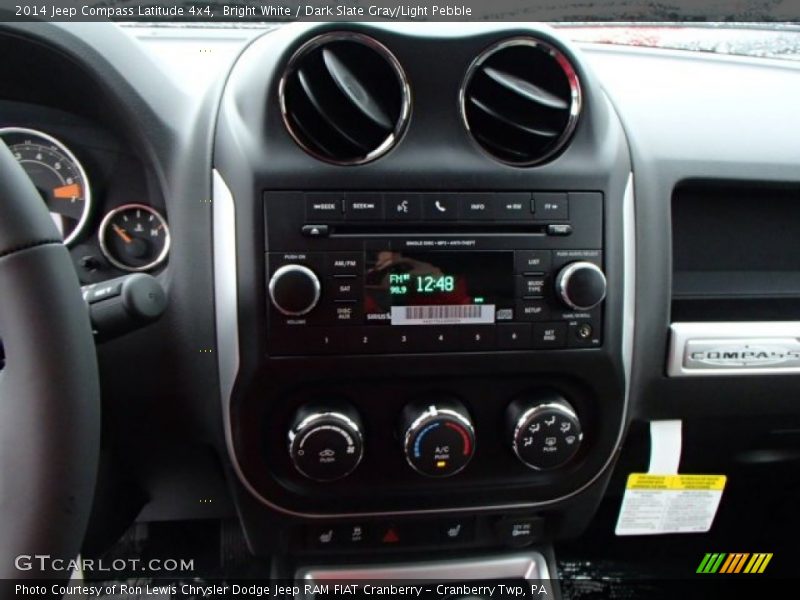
437	437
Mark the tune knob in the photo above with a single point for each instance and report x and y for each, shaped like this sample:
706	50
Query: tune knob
581	285
545	432
438	438
294	290
326	444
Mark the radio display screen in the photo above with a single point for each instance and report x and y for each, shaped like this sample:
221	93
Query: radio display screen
438	288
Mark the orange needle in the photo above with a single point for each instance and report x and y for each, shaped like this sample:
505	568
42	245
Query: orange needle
121	233
67	191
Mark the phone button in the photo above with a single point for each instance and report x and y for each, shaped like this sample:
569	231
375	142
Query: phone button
440	207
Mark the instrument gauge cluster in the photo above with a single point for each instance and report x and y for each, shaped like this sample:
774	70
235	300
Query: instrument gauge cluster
58	176
103	218
134	237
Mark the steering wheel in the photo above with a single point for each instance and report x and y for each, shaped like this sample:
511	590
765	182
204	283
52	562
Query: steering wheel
49	391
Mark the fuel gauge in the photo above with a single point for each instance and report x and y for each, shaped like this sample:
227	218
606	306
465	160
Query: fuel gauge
134	237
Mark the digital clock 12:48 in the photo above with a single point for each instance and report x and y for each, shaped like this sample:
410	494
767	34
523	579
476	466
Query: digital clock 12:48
433	284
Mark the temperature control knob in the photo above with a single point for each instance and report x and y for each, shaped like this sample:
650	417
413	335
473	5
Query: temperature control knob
294	290
438	438
326	444
545	432
581	285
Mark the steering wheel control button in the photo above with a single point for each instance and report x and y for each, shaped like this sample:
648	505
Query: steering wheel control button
438	439
545	431
294	290
581	285
518	532
326	444
124	304
98	292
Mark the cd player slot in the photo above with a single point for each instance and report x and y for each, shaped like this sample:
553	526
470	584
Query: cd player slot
371	231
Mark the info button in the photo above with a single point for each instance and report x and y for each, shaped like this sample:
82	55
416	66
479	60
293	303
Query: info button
476	207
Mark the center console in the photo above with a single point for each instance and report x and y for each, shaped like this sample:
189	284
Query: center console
424	331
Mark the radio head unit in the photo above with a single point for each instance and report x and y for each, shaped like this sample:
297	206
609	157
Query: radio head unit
354	273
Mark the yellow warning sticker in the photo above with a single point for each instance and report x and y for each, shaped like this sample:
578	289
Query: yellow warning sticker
647	481
656	504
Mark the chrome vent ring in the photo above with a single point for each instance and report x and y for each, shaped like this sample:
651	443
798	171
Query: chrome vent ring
345	98
521	100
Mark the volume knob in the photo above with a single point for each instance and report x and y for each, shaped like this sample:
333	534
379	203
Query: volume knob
294	290
581	285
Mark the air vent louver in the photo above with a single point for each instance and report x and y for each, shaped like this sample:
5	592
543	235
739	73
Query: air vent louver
344	98
521	100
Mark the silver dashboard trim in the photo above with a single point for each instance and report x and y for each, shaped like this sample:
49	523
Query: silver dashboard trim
227	320
225	297
531	567
734	349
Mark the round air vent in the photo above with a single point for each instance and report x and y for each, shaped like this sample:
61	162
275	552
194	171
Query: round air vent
520	101
344	98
